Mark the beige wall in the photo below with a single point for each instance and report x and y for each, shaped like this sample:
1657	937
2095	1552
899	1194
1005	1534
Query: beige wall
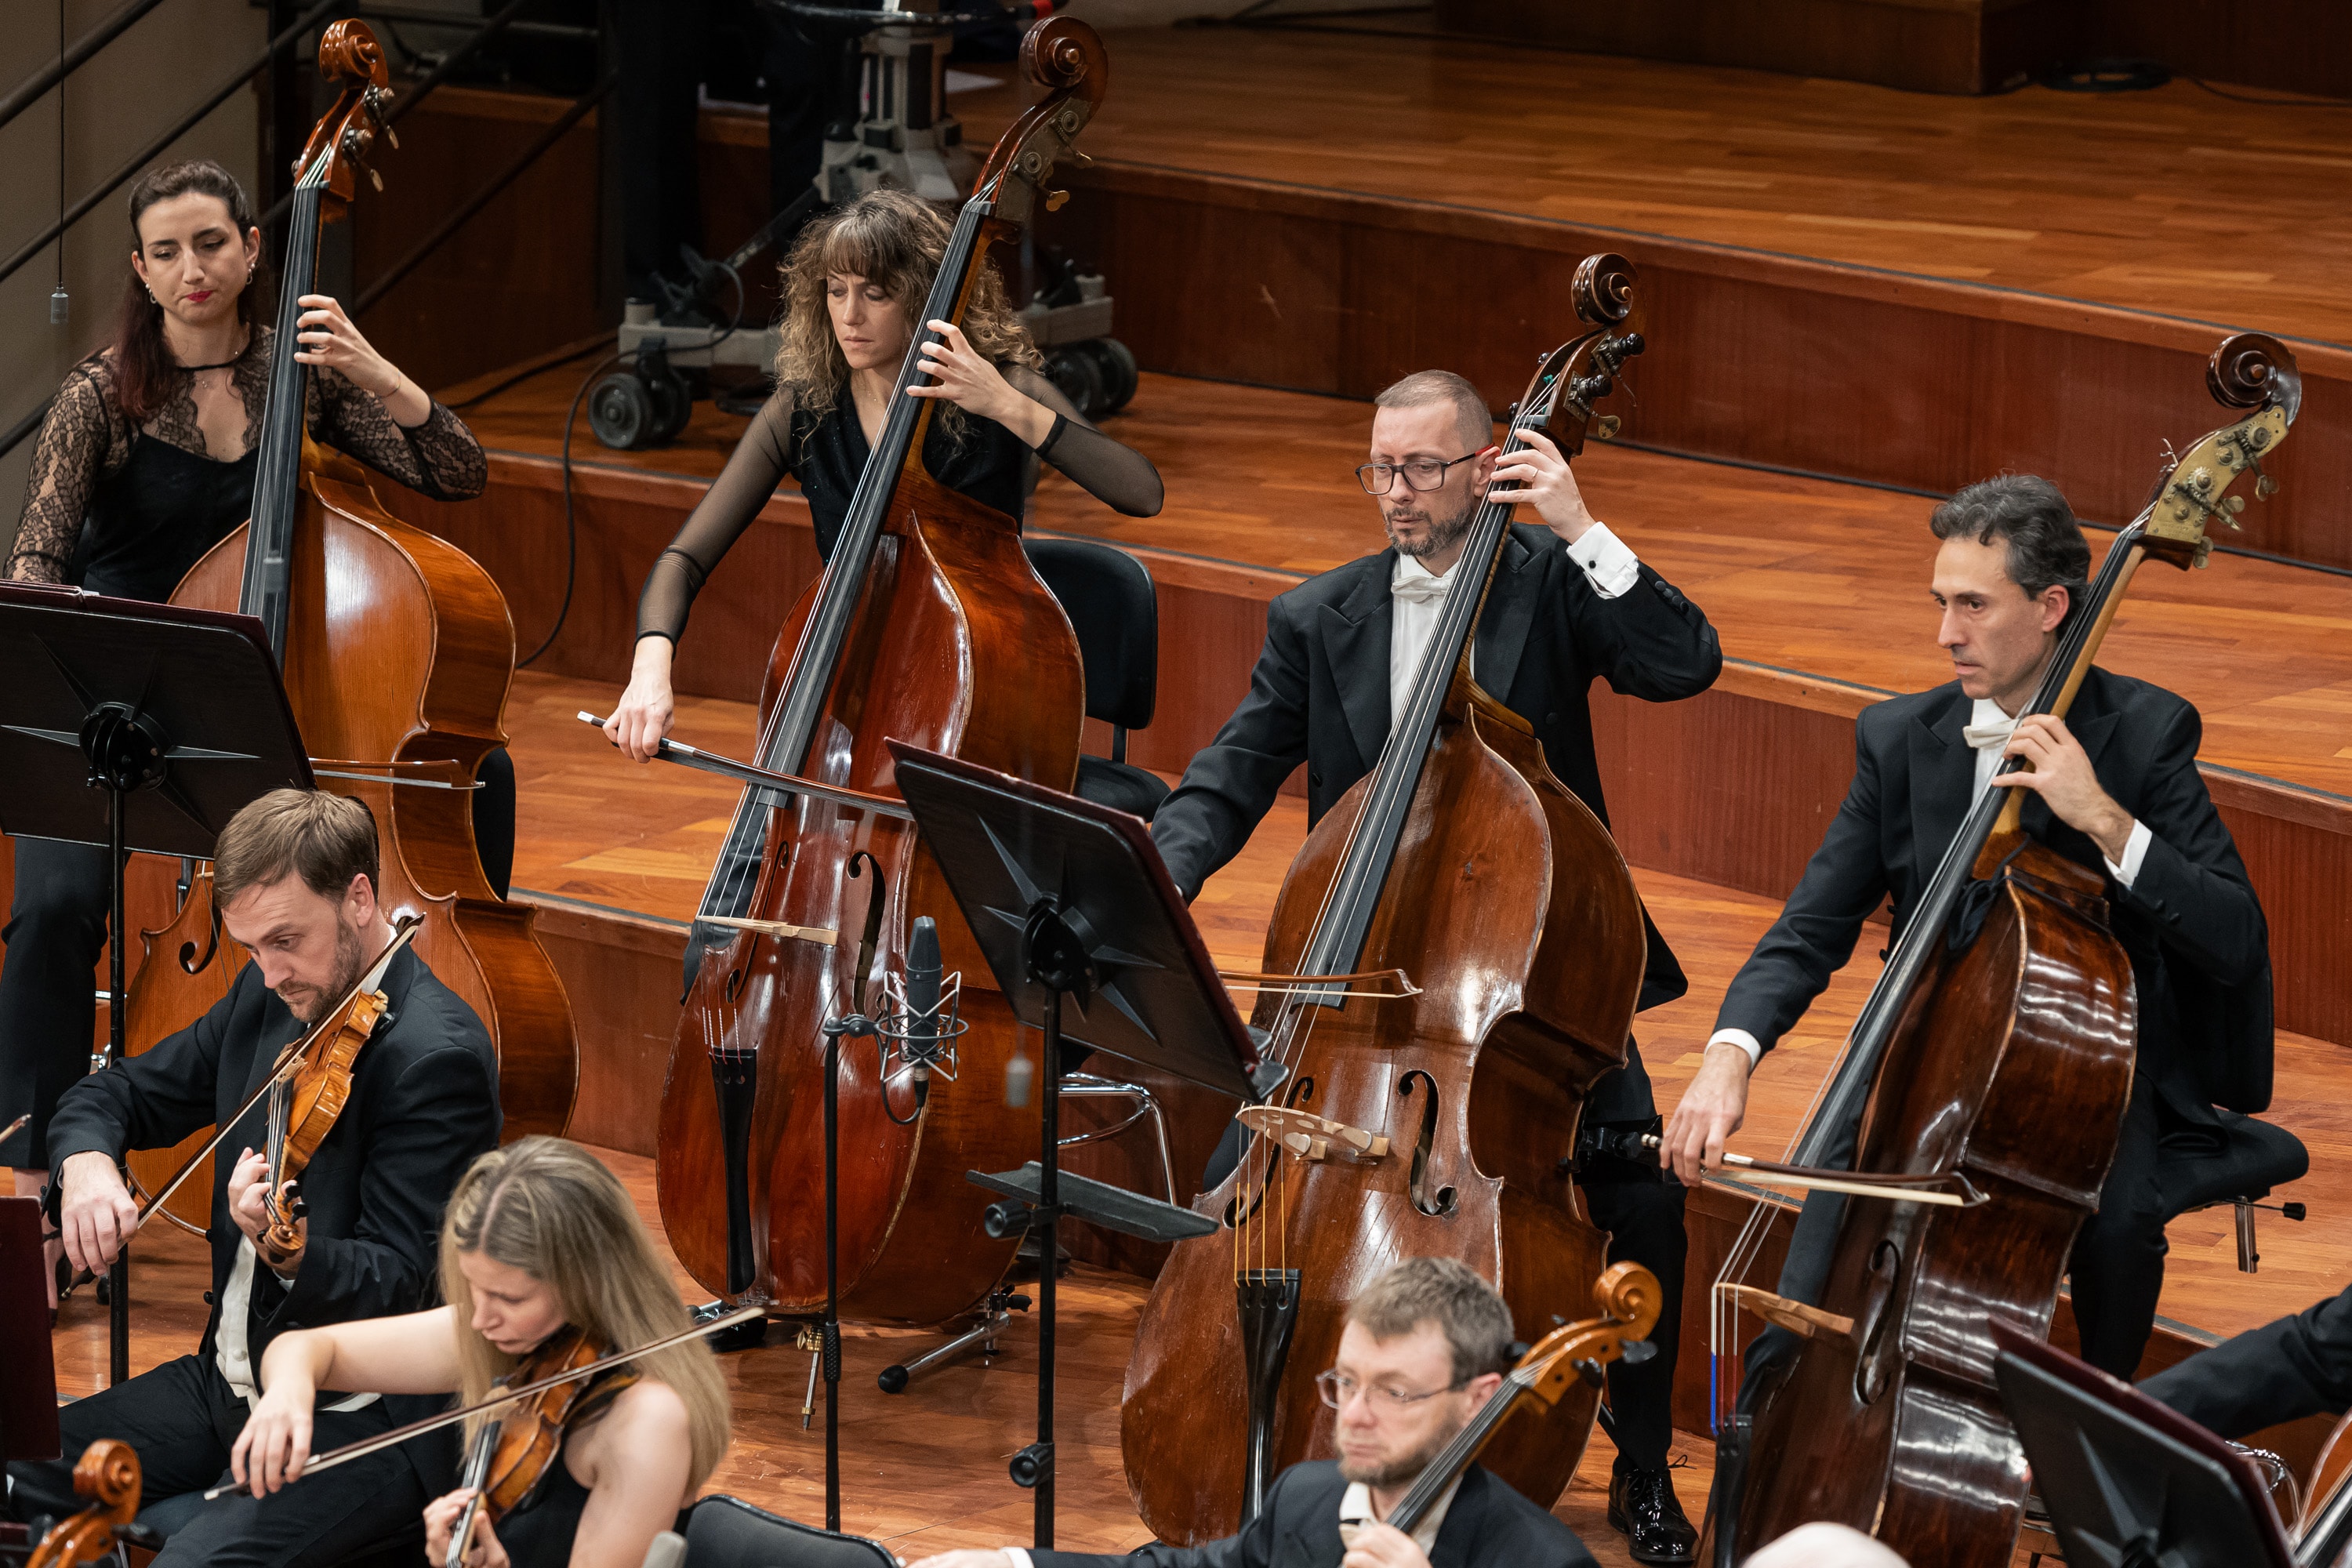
116	104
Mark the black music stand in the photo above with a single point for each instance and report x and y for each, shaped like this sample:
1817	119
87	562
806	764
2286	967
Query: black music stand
2128	1480
103	700
1071	904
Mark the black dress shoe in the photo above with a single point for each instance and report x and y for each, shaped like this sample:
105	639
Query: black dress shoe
1642	1503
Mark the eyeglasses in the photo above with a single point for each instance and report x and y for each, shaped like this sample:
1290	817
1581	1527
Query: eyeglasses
1337	1390
1420	474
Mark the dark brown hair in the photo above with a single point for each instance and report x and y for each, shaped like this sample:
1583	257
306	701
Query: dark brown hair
1452	1295
2029	515
143	366
325	839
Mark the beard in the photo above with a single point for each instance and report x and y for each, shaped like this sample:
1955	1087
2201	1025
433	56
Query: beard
309	1003
1444	532
1396	1472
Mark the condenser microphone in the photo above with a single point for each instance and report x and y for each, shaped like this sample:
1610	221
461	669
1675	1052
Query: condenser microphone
921	1048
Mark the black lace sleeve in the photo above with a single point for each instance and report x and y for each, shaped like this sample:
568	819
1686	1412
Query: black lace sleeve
74	451
761	459
439	457
1108	469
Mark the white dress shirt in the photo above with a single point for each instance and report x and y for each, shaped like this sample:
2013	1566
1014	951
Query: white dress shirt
232	1347
1988	732
1418	596
1356	1510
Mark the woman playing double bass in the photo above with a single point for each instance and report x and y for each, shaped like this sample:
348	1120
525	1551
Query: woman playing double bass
145	462
539	1238
851	282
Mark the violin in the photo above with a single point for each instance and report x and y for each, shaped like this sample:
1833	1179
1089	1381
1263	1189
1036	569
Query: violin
927	627
1997	1048
305	1104
108	1473
1628	1298
1414	1120
307	1087
512	1451
563	1359
397	653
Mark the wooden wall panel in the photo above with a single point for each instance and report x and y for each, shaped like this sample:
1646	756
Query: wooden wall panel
1330	292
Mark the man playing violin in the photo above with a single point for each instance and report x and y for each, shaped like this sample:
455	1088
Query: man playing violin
2115	788
294	878
1570	604
1425	1347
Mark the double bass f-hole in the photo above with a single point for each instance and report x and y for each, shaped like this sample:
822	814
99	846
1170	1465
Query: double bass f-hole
1873	1367
1443	1202
194	962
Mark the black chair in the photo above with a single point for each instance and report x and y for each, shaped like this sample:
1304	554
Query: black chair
724	1531
2254	1157
1112	606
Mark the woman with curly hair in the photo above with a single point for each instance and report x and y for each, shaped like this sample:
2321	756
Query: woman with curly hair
145	461
852	283
538	1237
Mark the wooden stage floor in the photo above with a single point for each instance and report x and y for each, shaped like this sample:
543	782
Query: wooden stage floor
2174	202
651	833
1810	575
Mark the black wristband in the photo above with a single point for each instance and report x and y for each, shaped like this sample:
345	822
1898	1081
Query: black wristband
1045	447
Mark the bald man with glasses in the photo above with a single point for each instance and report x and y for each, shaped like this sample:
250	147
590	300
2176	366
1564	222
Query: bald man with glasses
1570	604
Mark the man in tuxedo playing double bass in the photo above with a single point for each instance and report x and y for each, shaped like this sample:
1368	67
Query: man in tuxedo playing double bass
295	876
1570	604
2115	788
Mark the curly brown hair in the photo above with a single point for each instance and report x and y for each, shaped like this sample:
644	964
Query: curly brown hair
895	239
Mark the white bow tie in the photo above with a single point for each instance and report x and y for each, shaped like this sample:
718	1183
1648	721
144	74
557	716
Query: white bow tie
1989	737
1418	589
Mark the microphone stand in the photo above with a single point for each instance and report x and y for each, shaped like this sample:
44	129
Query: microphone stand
938	1024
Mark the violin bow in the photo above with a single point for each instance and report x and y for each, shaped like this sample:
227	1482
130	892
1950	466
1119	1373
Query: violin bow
382	1440
403	930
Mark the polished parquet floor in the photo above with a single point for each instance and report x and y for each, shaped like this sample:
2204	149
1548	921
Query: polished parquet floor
2174	202
1799	574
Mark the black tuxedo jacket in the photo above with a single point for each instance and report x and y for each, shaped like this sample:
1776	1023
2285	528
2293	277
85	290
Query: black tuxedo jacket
1299	1528
2190	922
2284	1371
424	1104
1320	695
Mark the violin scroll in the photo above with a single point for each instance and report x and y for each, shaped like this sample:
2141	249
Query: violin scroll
108	1473
1628	1298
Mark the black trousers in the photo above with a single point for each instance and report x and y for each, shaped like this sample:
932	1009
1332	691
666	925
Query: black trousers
48	1006
1642	1210
182	1418
2117	1268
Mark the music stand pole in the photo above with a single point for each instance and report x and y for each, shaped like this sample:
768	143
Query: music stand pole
118	1274
829	1342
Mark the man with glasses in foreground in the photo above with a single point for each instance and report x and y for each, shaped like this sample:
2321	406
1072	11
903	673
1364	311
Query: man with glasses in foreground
1569	605
1425	1347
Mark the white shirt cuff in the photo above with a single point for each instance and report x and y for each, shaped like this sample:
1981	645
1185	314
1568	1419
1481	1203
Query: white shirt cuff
2135	852
1612	568
1020	1558
1744	1040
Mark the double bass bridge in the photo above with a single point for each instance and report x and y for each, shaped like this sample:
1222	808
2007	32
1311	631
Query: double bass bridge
1312	1137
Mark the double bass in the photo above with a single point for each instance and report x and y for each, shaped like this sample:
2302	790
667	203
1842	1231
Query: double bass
927	626
1419	1117
398	652
1997	1048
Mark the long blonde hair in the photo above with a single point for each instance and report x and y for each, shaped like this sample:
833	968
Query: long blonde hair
896	241
549	1207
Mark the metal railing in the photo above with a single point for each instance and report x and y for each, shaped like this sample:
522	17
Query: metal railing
410	95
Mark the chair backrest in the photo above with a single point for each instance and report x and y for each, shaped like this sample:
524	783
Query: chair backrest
724	1531
1108	595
